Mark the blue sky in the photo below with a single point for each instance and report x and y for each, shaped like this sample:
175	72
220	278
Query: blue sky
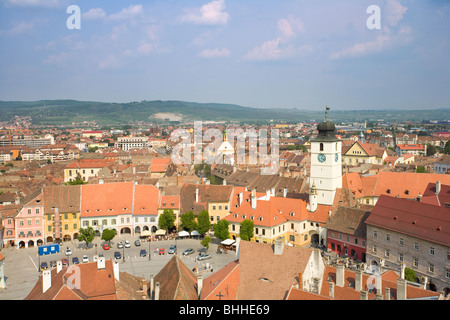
255	53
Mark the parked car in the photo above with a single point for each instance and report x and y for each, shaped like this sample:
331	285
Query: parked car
162	251
143	253
127	244
44	266
75	260
64	261
85	259
53	263
68	251
120	245
204	256
188	252
106	246
117	255
172	249
137	243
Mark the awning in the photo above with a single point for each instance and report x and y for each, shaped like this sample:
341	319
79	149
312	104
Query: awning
183	234
228	242
160	232
195	233
146	233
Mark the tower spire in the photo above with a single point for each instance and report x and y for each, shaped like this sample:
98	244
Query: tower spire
326	112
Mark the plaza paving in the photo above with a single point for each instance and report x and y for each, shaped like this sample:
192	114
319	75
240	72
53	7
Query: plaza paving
22	265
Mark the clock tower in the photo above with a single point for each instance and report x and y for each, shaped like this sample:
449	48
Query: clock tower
326	162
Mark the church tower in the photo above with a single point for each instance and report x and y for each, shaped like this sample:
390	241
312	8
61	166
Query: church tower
326	162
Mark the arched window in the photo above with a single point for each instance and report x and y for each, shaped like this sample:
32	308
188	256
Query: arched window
321	146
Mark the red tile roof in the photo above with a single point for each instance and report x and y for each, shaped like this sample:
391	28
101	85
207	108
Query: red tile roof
417	219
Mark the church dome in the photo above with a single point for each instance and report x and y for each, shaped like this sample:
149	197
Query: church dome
326	126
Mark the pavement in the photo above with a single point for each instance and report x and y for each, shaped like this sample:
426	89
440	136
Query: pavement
22	265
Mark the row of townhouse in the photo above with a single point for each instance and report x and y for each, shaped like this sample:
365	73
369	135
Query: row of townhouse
58	212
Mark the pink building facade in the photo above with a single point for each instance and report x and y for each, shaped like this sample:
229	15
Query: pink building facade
29	222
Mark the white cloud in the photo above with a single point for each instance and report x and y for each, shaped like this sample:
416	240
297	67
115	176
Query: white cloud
211	13
94	14
215	53
270	50
110	62
59	58
280	47
20	28
125	14
146	48
383	41
291	26
394	12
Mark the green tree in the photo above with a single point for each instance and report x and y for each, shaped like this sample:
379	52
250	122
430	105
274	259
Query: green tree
205	242
420	169
203	222
166	219
447	147
221	229
77	180
86	234
247	227
108	234
410	275
188	221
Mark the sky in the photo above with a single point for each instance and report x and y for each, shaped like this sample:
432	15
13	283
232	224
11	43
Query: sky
301	54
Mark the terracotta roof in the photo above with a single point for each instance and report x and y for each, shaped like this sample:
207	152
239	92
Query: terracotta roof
65	198
268	213
223	283
206	194
177	282
94	284
348	292
411	147
350	221
417	219
146	199
90	163
266	276
442	199
106	199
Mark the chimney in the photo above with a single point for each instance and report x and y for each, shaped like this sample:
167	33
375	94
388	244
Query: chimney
238	247
300	281
358	280
378	283
253	199
157	291
152	285
331	291
199	286
58	266
387	293
340	274
46	280
285	190
278	246
116	271
419	197
241	198
224	182
144	286
267	194
402	270
364	295
438	187
401	289
101	264
424	281
196	195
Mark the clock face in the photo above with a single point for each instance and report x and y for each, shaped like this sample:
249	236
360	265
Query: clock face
336	157
321	157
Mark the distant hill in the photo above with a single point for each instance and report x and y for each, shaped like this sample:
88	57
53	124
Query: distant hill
53	112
